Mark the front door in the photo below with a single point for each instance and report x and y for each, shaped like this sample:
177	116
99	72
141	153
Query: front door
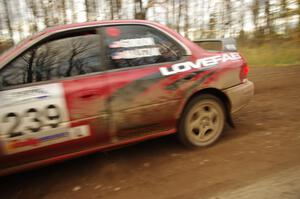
142	100
53	99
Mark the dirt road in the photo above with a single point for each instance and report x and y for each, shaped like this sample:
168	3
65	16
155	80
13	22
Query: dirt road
260	158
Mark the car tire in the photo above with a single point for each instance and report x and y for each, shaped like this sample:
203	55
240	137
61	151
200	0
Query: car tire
202	121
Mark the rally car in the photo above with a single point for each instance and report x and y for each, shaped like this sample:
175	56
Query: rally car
81	88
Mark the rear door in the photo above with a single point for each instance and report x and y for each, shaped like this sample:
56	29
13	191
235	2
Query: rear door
53	99
143	101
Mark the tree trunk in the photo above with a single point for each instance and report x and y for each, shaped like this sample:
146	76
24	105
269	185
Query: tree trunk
33	7
45	8
228	21
118	8
174	14
140	12
74	12
90	9
7	20
111	10
269	28
186	18
64	11
242	22
299	19
87	10
179	16
255	13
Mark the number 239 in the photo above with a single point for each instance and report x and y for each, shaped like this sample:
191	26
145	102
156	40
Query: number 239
32	120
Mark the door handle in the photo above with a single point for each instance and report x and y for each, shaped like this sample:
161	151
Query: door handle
86	96
190	76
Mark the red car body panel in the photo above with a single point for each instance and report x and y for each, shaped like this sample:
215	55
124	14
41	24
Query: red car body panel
113	104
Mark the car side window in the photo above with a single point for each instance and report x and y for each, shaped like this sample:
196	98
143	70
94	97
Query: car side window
67	56
136	45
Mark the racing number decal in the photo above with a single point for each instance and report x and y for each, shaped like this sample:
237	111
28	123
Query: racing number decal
16	121
38	120
35	117
53	115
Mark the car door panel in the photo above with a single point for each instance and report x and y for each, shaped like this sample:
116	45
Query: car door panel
142	102
87	104
43	120
142	105
34	122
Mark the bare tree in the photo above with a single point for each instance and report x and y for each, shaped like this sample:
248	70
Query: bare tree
186	18
268	18
212	24
227	17
242	21
179	16
205	18
112	16
258	29
32	5
298	12
73	10
7	19
64	11
90	9
46	14
141	8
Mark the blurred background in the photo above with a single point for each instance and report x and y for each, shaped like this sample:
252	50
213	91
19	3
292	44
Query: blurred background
267	31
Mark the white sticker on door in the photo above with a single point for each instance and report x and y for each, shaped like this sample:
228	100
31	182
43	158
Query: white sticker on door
34	117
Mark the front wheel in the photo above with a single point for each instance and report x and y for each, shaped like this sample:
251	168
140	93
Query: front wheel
202	121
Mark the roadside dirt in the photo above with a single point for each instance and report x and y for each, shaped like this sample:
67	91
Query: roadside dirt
258	159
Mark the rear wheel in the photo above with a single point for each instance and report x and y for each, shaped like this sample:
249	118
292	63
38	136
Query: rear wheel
202	121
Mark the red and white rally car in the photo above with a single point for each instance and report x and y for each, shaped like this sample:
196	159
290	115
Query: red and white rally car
80	88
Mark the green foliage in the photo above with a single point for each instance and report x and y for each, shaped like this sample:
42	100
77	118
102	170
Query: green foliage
272	53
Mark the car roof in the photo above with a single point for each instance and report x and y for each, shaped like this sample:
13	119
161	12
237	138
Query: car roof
88	24
5	57
59	28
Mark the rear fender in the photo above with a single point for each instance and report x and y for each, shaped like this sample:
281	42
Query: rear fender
213	91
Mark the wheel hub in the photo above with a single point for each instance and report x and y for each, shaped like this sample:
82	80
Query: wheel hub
203	122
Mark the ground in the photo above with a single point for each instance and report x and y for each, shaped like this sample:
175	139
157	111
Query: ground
258	159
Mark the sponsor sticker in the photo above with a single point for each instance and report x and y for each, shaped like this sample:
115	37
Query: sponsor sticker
25	95
34	117
45	138
136	53
203	63
128	43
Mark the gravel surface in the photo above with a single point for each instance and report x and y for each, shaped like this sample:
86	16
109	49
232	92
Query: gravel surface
258	159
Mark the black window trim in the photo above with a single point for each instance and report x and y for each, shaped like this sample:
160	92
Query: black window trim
182	59
186	53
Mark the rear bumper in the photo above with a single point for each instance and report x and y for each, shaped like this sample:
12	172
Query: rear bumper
240	95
